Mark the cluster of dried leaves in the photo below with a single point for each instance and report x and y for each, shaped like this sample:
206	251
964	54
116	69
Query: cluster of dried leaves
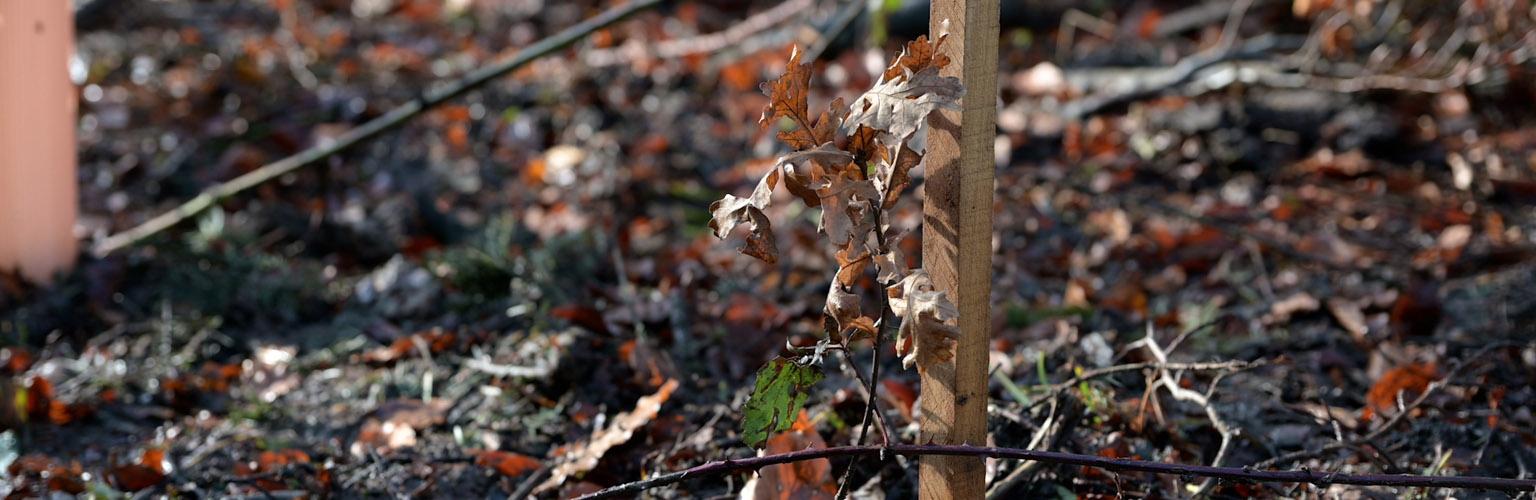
853	162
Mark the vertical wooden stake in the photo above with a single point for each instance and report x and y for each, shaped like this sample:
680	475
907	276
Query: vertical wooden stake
37	138
957	245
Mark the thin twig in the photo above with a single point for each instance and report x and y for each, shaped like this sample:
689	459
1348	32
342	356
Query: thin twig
1396	419
871	402
1131	89
373	128
700	44
748	464
1050	435
1168	381
1098	373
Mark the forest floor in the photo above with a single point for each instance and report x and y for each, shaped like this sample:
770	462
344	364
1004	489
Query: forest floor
517	292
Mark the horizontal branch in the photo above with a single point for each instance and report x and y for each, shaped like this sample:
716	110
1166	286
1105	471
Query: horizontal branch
1115	464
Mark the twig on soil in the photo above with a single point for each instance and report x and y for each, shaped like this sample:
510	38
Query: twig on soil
1135	85
1098	373
525	488
1396	419
373	128
730	466
1056	427
485	365
701	44
1167	381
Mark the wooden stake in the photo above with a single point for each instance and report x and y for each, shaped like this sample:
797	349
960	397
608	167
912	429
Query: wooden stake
957	245
37	138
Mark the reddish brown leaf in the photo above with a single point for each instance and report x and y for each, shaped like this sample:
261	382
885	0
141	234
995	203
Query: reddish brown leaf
919	54
1409	380
789	94
582	316
810	479
135	477
394	424
1417	311
32	471
15	360
39	399
507	463
901	395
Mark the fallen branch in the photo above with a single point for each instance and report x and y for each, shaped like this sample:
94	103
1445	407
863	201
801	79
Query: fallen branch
1097	373
1115	464
373	128
1132	85
1168	381
701	44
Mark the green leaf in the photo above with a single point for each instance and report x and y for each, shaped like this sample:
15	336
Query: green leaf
782	386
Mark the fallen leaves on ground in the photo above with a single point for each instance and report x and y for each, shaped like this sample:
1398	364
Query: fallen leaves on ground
507	463
578	460
394	425
1409	380
149	471
804	480
433	341
273	462
39	474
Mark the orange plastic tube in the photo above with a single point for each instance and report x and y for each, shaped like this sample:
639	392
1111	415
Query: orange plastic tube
38	194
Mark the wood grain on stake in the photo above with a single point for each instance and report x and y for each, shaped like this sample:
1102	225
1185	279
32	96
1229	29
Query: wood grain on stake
957	245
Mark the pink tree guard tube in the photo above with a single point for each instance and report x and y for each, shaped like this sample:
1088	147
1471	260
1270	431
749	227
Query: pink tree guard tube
38	194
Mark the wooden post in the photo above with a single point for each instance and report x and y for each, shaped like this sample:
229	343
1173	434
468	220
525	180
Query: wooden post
37	138
957	245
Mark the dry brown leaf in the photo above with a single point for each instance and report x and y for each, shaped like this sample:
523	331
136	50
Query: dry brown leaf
729	211
806	171
823	131
623	426
788	95
1408	380
843	306
851	262
865	146
899	106
395	423
920	54
1349	316
1282	310
805	480
845	207
890	265
892	176
928	330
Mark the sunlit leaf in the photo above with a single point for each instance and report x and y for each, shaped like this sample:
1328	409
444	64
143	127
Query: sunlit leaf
928	330
900	106
781	389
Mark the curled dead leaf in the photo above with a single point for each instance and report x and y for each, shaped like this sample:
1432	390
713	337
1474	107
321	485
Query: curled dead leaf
892	177
928	321
900	106
730	211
